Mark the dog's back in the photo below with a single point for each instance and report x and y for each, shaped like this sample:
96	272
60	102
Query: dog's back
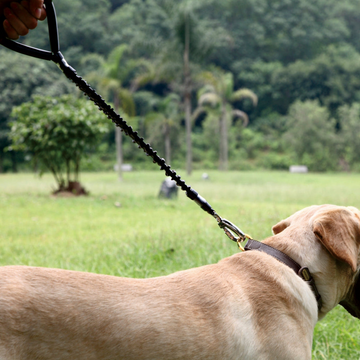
195	314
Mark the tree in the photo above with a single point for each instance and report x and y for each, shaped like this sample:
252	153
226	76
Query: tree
282	50
117	3
83	29
219	94
178	36
57	132
350	136
167	116
110	77
281	30
333	78
311	136
184	30
191	38
22	77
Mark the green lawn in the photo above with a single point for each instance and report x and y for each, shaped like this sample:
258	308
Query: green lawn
147	237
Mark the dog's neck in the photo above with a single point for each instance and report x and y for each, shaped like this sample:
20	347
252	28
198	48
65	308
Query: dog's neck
303	272
303	247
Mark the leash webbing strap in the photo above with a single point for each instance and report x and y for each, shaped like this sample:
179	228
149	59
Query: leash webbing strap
233	232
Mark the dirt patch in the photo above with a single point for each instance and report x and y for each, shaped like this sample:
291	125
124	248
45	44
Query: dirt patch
73	189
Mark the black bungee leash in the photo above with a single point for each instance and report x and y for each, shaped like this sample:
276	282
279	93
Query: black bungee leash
232	231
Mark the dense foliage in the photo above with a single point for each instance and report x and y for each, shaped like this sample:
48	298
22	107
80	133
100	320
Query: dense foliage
301	58
57	132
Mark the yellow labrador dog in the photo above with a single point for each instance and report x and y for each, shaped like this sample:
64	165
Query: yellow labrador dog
250	306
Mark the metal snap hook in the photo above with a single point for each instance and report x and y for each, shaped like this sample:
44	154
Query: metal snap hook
232	231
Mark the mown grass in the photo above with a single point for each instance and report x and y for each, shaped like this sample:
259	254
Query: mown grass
147	237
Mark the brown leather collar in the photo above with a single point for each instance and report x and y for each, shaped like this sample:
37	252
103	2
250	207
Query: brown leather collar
303	272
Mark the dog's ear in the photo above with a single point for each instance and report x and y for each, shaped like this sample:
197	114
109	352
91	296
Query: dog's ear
339	231
281	226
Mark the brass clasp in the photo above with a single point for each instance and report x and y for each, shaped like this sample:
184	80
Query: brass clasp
232	231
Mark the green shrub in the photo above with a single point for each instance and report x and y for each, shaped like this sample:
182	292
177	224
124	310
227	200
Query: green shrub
57	132
311	136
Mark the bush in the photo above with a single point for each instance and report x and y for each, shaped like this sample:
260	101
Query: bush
275	161
57	132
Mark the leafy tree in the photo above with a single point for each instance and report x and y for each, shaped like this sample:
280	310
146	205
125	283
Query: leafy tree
22	77
350	136
333	78
311	136
348	12
117	3
82	26
57	132
219	94
258	75
279	30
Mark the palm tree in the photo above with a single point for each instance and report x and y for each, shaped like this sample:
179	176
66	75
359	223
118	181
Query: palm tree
187	26
187	41
194	46
217	95
112	74
167	116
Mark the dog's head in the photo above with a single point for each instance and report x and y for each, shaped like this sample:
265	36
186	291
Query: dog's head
338	229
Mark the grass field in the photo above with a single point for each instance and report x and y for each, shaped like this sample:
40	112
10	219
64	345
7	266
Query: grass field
147	237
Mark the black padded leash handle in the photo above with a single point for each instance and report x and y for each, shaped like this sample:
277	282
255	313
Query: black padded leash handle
56	56
35	52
